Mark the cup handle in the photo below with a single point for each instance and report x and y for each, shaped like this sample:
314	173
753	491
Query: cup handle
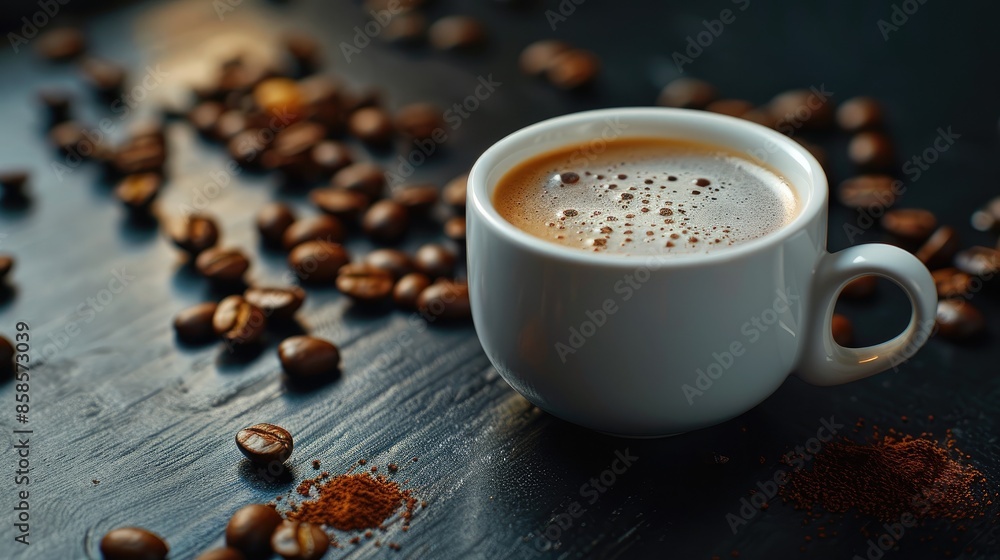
825	362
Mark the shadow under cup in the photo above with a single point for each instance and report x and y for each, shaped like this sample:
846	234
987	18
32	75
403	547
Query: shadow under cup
636	345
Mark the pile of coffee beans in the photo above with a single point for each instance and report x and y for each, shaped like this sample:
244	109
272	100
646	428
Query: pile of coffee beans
559	63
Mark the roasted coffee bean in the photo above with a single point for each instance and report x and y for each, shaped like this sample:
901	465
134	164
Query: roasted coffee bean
393	261
57	105
273	219
859	113
133	543
800	108
294	540
408	28
6	265
868	191
195	233
317	262
224	266
371	125
292	146
69	138
106	77
454	33
988	217
386	221
364	177
843	331
409	288
420	121
340	203
222	554
330	156
687	93
978	261
246	147
280	98
194	324
573	69
264	443
434	261
61	44
305	358
304	50
445	300
910	224
12	184
538	57
417	199
249	529
322	96
204	116
355	100
939	248
238	322
455	191
229	124
142	157
731	107
278	304
454	229
326	228
365	283
951	282
7	352
137	192
872	151
860	288
957	319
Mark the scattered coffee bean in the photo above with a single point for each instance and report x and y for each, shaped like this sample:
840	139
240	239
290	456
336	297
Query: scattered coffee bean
910	224
843	331
229	124
977	261
265	443
57	105
800	108
330	156
354	100
872	151
408	28
939	248
70	138
272	221
7	352
420	121
6	265
305	358
455	191
250	528
409	288
195	233
222	554
454	33
371	125
386	221
294	540
305	52
731	107
687	93
366	178
538	57
279	97
860	288
365	283
61	44
417	199
988	217
454	229
137	192
435	261
340	203
278	304
868	191
291	150
317	262
140	157
133	543
573	69
224	266
194	324
859	113
204	116
393	261
12	185
957	319
106	77
238	322
326	228
951	282
445	300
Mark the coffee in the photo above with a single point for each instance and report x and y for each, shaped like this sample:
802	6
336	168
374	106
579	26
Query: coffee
645	196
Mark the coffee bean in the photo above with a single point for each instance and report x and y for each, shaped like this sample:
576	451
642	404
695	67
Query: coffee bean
294	540
988	217
417	199
330	156
229	124
538	57
731	107
365	283
194	324
279	97
273	220
326	228
763	117
70	139
420	121
364	177
445	300
573	69
57	105
140	157
455	33
305	358
977	261
868	191
291	150
801	108
264	443
106	77
224	266
434	261
340	203
61	44
871	151
238	322
355	100
454	229
317	262
305	52
371	125
133	543
687	93
322	97
137	192
222	554
249	529
859	113
12	184
951	282
7	352
409	288
843	331
247	147
860	288
939	248
957	319
454	193
278	304
6	265
408	28
386	221
910	224
195	233
204	116
393	261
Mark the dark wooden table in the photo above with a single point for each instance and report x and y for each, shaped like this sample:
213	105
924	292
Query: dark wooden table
130	428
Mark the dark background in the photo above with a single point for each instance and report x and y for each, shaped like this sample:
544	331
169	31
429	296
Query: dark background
122	404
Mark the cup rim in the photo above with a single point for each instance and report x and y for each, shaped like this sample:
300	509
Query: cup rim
480	202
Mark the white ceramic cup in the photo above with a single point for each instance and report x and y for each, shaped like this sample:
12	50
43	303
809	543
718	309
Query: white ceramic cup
641	346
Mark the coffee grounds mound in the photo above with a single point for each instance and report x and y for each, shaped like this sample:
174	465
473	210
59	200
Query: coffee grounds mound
351	502
891	475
